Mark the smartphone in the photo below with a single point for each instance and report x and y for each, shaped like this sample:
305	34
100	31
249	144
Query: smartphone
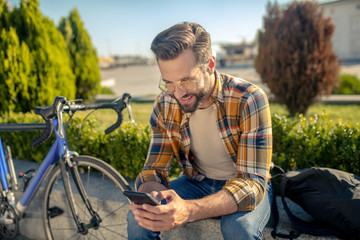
141	198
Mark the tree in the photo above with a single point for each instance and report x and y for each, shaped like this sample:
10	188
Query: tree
295	58
14	66
4	15
49	58
15	79
83	56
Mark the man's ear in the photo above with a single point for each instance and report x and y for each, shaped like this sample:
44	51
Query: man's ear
212	64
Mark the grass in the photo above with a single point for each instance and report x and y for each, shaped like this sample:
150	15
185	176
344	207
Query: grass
141	111
347	113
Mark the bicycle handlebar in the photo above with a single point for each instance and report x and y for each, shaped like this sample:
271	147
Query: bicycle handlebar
61	105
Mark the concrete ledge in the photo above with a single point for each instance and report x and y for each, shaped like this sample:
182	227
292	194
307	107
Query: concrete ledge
31	226
209	229
340	99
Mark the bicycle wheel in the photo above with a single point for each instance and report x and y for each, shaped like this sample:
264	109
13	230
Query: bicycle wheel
104	187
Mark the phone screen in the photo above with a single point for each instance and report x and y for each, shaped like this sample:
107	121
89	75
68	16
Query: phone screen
141	198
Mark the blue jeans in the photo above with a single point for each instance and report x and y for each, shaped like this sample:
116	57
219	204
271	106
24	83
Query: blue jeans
240	225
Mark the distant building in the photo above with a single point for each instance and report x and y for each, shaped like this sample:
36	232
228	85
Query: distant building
230	53
124	61
345	15
106	62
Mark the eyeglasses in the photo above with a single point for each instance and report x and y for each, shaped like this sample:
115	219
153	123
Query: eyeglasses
187	84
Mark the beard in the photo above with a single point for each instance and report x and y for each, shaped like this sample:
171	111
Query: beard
192	107
199	97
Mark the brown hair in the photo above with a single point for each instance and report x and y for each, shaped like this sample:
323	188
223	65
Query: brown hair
173	41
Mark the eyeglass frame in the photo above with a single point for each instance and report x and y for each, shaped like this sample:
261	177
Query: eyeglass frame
163	86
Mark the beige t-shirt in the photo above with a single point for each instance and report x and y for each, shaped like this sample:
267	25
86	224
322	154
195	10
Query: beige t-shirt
211	157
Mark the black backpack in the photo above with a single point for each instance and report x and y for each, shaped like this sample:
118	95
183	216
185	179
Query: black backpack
331	197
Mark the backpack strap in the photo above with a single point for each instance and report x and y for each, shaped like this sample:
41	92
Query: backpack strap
275	211
303	226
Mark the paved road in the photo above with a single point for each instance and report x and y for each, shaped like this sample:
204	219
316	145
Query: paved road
142	81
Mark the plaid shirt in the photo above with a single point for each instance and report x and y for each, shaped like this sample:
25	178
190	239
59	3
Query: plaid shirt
245	128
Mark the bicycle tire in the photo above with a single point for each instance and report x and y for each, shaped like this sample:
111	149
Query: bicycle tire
104	187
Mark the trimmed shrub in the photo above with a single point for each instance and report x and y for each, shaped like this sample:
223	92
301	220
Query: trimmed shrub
298	143
349	84
317	141
20	142
125	149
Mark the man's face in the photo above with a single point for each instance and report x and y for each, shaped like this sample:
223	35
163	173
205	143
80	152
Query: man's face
186	81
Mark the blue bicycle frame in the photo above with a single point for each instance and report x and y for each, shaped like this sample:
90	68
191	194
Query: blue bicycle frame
58	149
4	172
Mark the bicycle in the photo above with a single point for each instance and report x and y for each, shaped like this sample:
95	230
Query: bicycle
83	195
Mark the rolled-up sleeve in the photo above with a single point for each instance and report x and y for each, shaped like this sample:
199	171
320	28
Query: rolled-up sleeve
159	155
254	151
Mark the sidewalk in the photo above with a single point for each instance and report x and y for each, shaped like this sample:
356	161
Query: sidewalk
326	99
31	227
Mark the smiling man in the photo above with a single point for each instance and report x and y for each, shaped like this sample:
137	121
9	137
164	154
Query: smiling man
219	129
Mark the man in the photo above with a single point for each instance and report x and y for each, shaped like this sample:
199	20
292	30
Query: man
219	129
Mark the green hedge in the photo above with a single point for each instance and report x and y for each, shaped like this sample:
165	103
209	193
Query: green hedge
125	148
298	143
316	141
349	84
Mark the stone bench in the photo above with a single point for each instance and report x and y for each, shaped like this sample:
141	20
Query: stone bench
209	229
31	227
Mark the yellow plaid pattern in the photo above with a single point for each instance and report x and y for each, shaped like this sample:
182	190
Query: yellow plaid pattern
245	128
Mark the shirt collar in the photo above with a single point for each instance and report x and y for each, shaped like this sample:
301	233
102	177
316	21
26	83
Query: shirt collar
217	94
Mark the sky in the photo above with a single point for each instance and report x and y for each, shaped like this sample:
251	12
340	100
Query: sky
122	27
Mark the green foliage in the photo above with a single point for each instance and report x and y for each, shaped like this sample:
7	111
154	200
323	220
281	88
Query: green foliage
298	143
347	113
84	61
4	15
14	72
34	60
37	64
349	84
125	149
104	90
20	141
317	141
295	58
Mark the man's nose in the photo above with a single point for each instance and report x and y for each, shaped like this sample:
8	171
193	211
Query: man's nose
178	92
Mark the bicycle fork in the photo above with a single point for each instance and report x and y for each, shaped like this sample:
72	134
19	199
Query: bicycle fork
66	161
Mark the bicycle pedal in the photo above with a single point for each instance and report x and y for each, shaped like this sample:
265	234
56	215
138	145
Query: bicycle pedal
55	211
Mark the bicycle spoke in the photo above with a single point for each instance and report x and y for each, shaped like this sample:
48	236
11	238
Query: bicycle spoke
101	193
75	235
104	193
113	212
93	235
116	233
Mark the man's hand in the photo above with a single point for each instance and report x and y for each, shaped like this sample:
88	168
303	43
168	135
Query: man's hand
178	211
163	217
